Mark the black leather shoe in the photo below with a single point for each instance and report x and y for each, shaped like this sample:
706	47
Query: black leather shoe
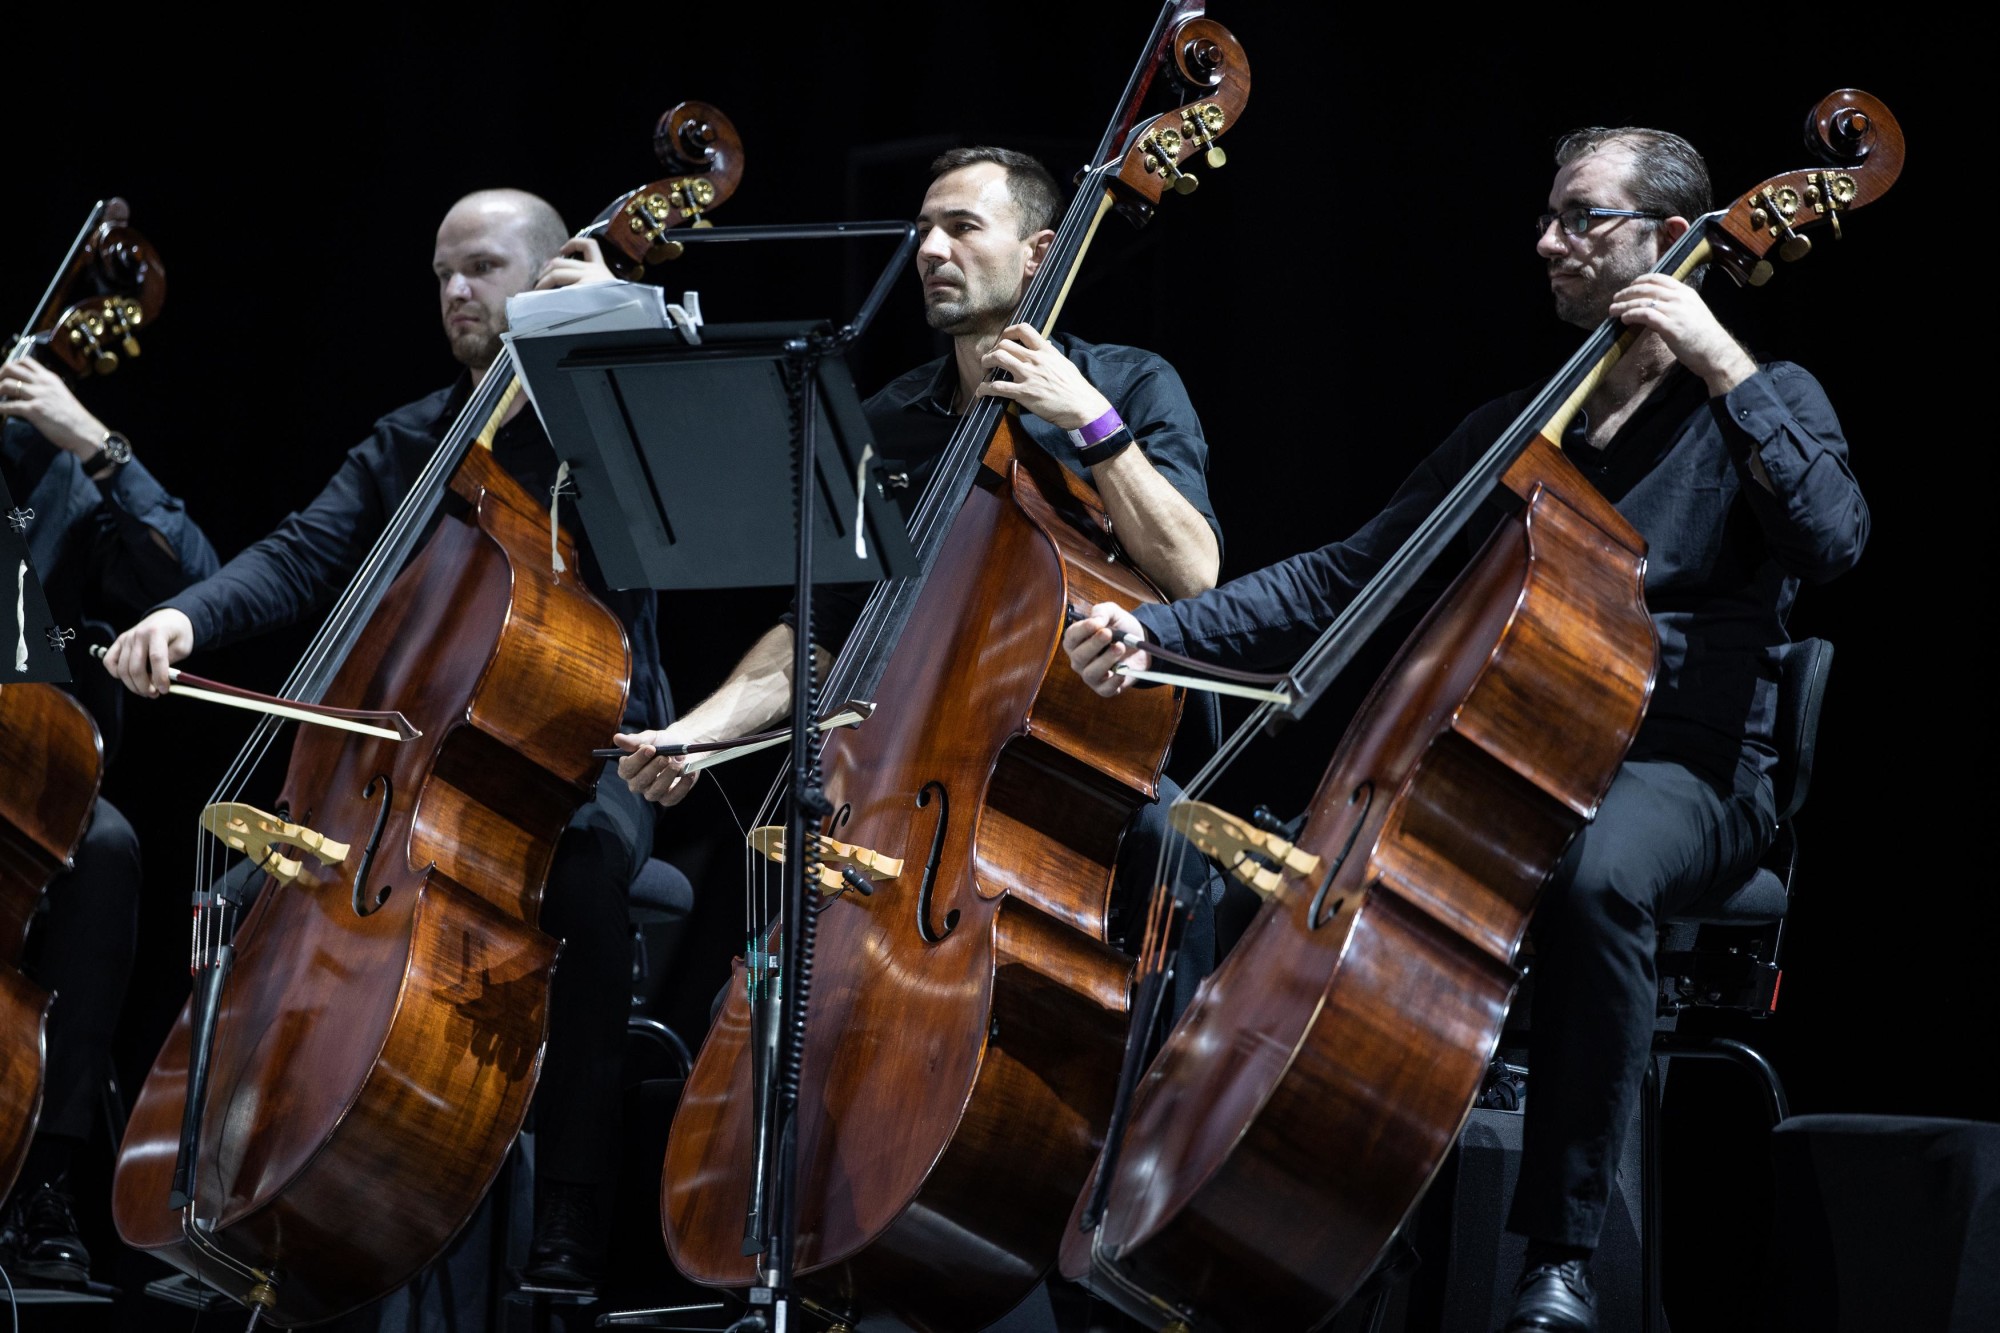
1555	1298
40	1235
568	1248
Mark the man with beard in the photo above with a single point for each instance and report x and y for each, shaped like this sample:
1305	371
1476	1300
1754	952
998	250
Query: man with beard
1736	474
1116	415
108	542
492	245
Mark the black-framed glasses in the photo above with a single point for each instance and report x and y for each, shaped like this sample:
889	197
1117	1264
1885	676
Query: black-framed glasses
1576	221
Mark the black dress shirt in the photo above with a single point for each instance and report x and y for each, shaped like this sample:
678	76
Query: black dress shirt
311	556
1724	556
912	420
104	551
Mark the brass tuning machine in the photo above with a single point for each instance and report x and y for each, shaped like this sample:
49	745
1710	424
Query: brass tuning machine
1199	125
1163	147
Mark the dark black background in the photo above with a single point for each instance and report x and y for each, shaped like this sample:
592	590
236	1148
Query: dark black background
1358	277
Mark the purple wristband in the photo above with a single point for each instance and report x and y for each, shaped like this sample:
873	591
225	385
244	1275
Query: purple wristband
1091	432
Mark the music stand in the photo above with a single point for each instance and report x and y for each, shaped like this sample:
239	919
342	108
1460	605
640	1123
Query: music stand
682	455
681	451
32	651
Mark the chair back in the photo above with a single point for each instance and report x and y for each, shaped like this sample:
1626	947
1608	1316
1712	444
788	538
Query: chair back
1801	691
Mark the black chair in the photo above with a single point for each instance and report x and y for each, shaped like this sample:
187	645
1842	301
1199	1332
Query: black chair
662	900
1722	952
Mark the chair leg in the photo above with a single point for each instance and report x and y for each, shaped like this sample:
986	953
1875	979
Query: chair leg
1649	1193
1669	1045
1728	1048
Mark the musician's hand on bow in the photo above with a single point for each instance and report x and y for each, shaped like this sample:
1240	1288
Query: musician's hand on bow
139	658
1097	643
37	395
1687	326
659	778
1044	381
578	264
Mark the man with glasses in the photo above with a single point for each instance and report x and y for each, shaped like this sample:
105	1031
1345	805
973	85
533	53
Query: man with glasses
1737	476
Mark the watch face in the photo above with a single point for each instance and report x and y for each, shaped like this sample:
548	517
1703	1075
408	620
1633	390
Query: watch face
117	448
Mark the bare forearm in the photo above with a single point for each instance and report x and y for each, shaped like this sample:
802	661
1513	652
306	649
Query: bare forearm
757	693
1165	535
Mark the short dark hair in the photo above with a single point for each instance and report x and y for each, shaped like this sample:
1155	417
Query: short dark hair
1668	176
1034	190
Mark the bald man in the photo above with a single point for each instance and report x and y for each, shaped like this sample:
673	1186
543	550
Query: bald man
491	245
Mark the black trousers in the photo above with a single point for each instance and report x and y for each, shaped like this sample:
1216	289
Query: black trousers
1662	836
576	1108
81	947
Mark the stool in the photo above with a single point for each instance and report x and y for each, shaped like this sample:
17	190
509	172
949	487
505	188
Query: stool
1887	1222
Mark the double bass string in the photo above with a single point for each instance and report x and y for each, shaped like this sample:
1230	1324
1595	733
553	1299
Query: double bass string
889	605
308	679
1329	653
880	620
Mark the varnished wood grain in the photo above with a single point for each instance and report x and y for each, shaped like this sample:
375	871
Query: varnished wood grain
1310	1091
953	1092
370	1072
50	761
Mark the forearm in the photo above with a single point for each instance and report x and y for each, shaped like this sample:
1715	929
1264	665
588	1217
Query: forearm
1167	537
757	694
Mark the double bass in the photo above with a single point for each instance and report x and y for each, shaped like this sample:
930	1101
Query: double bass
963	1017
109	284
359	1056
1305	1099
52	759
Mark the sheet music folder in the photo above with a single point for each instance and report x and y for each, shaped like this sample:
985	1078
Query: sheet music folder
682	455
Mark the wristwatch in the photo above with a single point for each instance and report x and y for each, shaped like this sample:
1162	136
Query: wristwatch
115	452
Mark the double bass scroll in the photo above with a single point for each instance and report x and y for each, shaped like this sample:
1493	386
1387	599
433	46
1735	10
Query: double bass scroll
110	286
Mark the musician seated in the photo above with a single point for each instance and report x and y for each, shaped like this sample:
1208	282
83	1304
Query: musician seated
1736	474
1117	415
490	246
107	541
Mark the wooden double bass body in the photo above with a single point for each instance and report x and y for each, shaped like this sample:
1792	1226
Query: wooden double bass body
964	1020
370	1071
1316	1081
51	758
381	1032
967	1016
1309	1093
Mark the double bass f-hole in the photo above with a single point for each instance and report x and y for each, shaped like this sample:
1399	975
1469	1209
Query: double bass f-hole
1321	913
362	907
931	867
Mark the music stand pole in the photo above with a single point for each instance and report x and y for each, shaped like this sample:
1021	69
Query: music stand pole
783	998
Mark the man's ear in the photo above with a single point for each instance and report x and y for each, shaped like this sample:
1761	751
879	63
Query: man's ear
1038	248
1671	230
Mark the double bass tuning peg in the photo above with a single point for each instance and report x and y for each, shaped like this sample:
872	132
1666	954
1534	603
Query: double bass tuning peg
1200	124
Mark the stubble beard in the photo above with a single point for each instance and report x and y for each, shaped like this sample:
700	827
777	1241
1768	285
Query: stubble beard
475	348
1590	305
959	317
